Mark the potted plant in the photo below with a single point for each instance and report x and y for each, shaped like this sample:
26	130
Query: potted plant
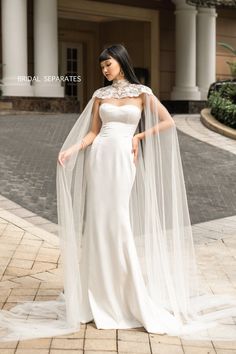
232	64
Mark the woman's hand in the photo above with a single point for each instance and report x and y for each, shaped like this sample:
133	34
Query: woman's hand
135	142
64	155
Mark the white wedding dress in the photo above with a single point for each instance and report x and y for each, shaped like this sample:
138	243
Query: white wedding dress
114	293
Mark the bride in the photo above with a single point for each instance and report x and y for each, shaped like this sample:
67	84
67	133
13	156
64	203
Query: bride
125	234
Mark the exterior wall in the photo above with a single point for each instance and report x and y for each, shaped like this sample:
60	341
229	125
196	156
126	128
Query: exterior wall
113	18
98	35
226	32
87	33
167	53
135	35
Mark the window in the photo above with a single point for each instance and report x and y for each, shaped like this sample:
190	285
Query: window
71	71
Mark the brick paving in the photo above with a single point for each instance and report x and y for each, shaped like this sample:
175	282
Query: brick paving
30	269
210	175
28	151
29	145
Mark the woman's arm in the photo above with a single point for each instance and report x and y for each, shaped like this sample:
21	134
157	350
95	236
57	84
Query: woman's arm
88	139
95	127
166	121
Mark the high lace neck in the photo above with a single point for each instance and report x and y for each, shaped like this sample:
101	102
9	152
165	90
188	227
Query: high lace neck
120	83
121	89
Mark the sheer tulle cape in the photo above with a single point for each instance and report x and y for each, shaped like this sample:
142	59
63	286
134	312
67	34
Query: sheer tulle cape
162	232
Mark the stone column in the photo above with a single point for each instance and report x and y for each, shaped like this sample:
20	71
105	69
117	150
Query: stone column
206	49
14	48
185	80
46	49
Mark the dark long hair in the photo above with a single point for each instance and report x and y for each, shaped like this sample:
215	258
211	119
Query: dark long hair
120	54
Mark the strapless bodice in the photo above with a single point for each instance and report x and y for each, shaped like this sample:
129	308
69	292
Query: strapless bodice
119	120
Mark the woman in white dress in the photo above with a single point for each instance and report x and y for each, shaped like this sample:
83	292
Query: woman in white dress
133	257
113	290
125	234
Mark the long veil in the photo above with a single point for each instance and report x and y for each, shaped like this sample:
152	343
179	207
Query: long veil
163	237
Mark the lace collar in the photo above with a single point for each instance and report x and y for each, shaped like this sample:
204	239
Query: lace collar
120	84
121	89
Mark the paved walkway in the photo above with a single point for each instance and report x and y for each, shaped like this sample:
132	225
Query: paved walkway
30	258
29	145
30	270
191	125
209	162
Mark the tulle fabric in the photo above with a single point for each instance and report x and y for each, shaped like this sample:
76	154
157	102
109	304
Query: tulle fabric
163	238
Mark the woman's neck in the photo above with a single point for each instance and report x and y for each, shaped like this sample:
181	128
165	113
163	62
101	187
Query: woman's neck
120	82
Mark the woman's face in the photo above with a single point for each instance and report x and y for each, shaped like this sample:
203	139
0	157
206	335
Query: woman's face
111	69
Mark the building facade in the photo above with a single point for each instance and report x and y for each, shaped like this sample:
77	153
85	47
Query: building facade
50	48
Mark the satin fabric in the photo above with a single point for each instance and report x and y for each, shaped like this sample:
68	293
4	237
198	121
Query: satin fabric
114	292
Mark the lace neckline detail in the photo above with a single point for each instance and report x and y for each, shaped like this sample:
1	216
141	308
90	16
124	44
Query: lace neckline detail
121	83
121	89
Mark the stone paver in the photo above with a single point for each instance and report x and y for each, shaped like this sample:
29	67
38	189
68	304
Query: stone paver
210	176
215	249
190	124
29	145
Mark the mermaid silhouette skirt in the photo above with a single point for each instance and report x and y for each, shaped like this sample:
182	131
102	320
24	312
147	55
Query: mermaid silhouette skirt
114	293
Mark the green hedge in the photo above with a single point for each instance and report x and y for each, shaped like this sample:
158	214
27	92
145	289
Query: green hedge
223	104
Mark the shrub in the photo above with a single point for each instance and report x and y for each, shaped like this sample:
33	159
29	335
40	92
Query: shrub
223	104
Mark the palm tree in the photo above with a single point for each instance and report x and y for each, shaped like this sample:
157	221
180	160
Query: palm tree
232	65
